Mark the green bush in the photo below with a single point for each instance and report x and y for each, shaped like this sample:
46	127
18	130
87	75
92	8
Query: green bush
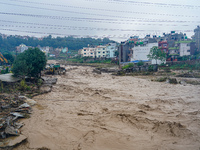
3	71
140	63
161	79
39	82
28	88
22	85
7	70
197	66
1	88
150	68
130	65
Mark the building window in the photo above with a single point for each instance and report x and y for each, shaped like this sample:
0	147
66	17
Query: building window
84	49
91	53
103	52
103	55
84	53
164	45
99	52
103	48
188	50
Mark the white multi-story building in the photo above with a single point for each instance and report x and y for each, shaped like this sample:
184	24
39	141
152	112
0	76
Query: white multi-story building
110	50
140	53
21	48
88	52
101	51
184	49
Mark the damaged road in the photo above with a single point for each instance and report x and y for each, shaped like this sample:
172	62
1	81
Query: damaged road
86	110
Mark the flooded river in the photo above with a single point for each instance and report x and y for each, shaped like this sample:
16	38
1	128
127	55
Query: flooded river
89	111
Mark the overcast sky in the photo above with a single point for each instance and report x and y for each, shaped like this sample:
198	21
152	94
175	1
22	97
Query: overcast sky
116	19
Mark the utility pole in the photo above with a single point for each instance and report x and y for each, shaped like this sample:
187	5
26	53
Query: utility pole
120	55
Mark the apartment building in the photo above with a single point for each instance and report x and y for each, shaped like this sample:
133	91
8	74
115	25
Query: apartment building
197	37
87	52
110	50
101	51
185	48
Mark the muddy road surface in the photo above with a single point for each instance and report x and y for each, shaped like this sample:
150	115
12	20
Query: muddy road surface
89	111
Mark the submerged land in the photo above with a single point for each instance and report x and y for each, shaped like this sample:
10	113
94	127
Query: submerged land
90	111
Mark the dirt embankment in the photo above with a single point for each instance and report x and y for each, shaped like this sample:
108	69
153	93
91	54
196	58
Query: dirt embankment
89	111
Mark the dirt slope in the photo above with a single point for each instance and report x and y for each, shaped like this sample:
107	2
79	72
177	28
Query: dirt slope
88	111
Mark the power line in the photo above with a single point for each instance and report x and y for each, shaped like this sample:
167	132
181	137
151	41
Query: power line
49	26
76	36
85	28
147	3
99	20
86	8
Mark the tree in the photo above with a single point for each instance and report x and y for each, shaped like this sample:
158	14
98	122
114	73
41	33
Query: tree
9	57
116	53
29	63
157	54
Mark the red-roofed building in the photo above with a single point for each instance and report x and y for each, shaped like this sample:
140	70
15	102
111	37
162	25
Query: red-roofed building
163	45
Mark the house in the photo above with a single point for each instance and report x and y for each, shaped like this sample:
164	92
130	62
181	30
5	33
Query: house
125	49
163	45
65	50
181	48
110	50
197	37
87	52
173	53
21	48
100	51
140	53
186	47
172	37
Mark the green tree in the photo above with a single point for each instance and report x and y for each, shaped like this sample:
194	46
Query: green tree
29	63
116	53
157	54
9	57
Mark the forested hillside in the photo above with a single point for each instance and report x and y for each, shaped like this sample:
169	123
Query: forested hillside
72	43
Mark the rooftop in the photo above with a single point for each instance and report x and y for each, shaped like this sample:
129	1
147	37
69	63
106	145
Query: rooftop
183	42
172	48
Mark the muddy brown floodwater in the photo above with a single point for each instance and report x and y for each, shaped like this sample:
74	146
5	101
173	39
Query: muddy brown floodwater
89	111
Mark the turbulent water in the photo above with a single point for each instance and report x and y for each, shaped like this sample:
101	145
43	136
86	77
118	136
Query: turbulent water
89	111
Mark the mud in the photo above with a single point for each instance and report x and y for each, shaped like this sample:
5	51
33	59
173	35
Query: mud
90	111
